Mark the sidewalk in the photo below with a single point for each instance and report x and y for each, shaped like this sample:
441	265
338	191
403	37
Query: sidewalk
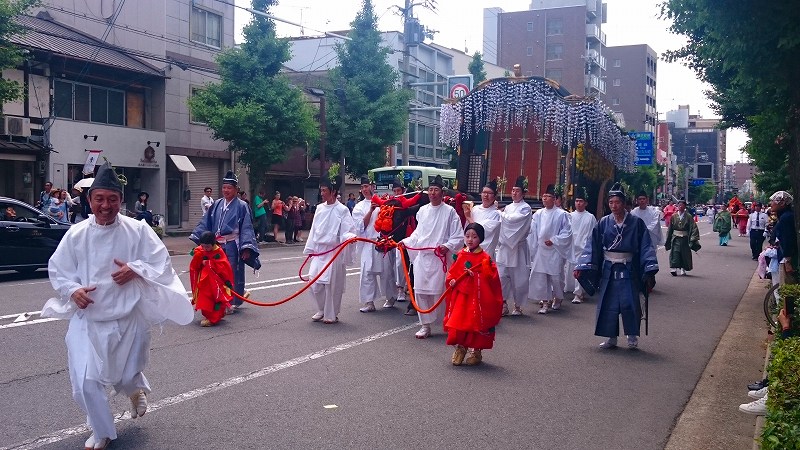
711	418
181	245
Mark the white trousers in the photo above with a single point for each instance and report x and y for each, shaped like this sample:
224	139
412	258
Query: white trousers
514	284
425	301
375	285
569	281
328	297
399	273
546	287
90	394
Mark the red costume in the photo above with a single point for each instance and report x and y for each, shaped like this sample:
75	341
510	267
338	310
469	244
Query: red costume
212	282
742	224
475	303
669	210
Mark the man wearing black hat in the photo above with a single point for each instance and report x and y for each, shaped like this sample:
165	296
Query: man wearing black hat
229	219
582	223
513	257
550	246
756	224
682	237
373	264
619	262
488	216
114	280
332	225
438	226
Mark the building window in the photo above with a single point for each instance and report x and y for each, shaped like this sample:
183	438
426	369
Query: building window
530	51
192	118
555	27
553	74
617	82
530	26
617	63
206	27
555	51
615	101
83	102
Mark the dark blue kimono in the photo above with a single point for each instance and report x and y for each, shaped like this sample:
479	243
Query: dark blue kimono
618	284
233	221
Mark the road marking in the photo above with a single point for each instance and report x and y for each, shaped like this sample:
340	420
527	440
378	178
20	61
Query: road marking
30	322
67	433
11	316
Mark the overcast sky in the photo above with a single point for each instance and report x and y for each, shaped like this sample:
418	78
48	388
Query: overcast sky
460	25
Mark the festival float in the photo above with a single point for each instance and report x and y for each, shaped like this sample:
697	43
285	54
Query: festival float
533	127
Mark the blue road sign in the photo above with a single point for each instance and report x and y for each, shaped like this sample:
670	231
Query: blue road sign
644	160
698	182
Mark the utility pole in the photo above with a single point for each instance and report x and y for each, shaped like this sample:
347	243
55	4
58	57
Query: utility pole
406	50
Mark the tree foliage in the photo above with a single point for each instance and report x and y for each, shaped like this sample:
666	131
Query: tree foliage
11	56
253	107
747	51
644	178
368	110
476	68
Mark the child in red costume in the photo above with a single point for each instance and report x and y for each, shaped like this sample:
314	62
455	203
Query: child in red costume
212	280
474	303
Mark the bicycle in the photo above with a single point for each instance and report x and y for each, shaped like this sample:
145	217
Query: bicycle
772	305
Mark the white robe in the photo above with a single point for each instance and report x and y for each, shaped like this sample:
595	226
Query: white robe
547	262
651	218
489	218
108	342
436	225
373	263
582	224
331	226
513	257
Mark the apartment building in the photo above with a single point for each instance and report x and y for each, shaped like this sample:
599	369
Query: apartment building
120	74
557	39
631	85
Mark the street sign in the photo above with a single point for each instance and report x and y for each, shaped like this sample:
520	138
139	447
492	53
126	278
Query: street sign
698	182
459	85
644	147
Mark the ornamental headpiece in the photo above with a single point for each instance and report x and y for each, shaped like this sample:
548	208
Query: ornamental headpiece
617	191
107	178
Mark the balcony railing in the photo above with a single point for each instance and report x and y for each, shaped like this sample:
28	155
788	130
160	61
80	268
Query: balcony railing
594	83
593	32
591	8
596	58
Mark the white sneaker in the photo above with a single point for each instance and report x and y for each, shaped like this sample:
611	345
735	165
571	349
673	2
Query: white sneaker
609	343
633	341
760	393
556	304
368	307
401	296
757	407
318	316
138	404
577	300
683	271
390	303
423	332
517	311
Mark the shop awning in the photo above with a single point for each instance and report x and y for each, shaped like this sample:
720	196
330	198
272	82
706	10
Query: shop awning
182	163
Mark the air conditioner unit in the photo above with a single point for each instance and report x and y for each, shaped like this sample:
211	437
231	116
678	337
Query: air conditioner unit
17	126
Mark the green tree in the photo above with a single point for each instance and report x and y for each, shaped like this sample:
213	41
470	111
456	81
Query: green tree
368	112
476	68
255	108
701	194
644	178
11	56
747	51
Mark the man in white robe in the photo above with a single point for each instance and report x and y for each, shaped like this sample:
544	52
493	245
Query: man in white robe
582	223
438	225
651	217
114	280
377	270
550	245
513	258
488	216
331	226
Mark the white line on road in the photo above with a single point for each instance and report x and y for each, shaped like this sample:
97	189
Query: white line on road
67	433
29	322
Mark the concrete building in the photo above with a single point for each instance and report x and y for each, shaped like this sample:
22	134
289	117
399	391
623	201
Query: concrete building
120	75
741	172
558	39
698	140
316	55
631	85
461	61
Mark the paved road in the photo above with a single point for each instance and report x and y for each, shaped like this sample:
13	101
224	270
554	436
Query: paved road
270	378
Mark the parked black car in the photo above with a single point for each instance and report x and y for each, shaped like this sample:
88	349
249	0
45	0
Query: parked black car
28	237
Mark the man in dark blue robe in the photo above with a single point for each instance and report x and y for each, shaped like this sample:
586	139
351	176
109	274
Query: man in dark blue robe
618	263
230	220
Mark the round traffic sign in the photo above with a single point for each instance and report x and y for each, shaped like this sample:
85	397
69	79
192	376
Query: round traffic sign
459	90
